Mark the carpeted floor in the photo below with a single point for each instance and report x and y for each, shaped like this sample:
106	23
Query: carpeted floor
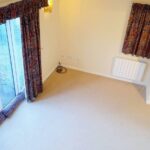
80	111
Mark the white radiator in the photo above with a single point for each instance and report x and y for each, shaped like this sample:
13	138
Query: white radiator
128	69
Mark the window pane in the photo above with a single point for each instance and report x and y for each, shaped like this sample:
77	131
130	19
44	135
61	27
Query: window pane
7	88
17	44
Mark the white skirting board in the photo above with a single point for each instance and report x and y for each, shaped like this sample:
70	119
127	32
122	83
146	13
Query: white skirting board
104	75
112	77
116	78
48	75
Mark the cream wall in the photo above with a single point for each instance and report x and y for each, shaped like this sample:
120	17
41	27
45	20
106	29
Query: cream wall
49	40
92	34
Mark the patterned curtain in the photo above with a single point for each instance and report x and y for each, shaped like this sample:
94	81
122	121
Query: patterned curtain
20	9
28	11
31	53
137	40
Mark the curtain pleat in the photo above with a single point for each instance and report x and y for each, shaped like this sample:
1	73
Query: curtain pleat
32	54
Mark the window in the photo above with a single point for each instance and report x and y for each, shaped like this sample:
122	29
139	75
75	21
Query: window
11	62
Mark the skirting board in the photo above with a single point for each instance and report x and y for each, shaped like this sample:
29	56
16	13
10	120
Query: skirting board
103	75
112	77
48	75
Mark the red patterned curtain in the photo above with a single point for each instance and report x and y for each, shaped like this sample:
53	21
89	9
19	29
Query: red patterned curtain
20	9
32	53
137	40
28	11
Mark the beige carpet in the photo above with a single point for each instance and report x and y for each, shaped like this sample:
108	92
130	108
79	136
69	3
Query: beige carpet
79	111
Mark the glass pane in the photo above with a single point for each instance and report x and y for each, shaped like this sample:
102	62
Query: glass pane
7	88
17	44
